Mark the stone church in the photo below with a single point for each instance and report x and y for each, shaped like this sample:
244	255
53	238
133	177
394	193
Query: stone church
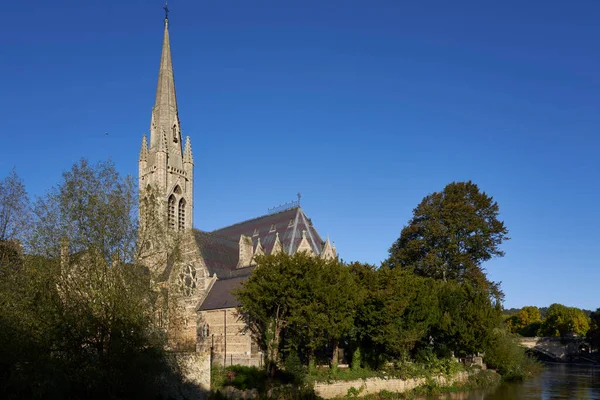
196	305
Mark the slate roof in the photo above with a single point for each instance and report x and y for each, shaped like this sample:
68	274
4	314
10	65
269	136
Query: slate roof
221	294
289	224
220	254
220	249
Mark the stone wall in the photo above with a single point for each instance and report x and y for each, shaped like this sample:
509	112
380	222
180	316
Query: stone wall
227	339
194	381
375	385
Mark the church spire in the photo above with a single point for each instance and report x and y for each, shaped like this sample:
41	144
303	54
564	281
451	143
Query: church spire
164	114
162	163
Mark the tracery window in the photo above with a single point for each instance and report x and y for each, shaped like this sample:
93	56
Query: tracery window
172	212
188	280
181	214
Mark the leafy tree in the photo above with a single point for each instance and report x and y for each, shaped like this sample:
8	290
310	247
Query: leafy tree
396	313
594	332
336	295
14	207
268	299
303	300
468	319
562	320
451	234
82	307
526	322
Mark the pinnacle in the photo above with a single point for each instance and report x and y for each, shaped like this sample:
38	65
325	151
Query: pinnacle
144	149
187	152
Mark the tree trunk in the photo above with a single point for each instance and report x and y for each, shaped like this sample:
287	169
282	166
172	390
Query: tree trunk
334	358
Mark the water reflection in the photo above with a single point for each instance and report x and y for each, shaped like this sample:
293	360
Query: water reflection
558	381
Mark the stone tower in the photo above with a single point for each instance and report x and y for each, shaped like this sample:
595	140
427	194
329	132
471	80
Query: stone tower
165	164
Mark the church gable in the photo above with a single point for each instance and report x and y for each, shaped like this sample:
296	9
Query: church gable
285	226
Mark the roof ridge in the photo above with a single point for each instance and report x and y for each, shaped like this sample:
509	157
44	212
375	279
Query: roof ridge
215	235
254	219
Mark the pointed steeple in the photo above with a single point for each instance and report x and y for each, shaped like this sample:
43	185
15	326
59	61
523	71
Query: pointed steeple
144	149
164	114
187	152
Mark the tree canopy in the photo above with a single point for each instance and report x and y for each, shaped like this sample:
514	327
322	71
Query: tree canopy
76	309
451	234
300	301
562	320
14	207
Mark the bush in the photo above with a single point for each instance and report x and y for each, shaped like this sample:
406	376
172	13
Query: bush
508	357
296	372
356	360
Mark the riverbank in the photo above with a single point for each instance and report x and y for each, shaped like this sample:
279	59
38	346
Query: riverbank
377	388
251	383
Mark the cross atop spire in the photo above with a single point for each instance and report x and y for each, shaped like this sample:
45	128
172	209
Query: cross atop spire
166	8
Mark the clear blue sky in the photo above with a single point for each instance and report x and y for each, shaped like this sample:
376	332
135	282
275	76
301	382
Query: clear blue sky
363	106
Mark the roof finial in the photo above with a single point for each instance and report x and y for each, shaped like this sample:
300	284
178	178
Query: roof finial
166	8
299	197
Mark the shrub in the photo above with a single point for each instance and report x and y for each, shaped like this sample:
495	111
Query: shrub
356	360
508	357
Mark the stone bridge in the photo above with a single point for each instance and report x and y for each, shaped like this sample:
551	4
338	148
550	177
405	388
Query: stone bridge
558	349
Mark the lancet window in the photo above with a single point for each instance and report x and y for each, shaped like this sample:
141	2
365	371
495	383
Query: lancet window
181	214
172	212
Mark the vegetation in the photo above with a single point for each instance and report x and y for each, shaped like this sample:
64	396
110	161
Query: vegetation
431	300
298	303
559	320
594	332
506	355
15	211
76	305
451	234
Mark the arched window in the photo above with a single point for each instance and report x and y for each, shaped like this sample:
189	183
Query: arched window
181	214
172	212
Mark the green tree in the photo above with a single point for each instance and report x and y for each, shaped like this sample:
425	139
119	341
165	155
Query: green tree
594	332
526	322
562	320
468	319
303	300
396	313
451	234
83	304
15	212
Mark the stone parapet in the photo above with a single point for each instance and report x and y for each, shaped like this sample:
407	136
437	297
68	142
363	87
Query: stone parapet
371	386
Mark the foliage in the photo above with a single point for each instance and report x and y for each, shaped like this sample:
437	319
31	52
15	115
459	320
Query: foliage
396	313
356	360
15	212
76	316
450	235
505	354
526	322
594	332
306	301
562	320
468	317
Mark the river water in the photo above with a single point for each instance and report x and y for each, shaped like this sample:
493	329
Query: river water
557	381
